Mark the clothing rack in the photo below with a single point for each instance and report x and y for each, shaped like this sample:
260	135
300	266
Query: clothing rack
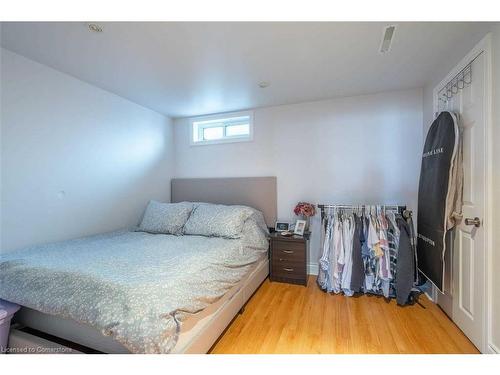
400	209
368	252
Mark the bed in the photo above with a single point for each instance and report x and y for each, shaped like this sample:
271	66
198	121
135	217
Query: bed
133	311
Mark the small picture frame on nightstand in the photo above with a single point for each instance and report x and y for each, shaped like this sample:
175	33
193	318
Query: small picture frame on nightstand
282	226
300	227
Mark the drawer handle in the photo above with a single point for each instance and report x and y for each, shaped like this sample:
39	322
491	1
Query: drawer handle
288	269
288	251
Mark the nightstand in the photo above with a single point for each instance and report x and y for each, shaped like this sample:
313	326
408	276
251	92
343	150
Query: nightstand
289	258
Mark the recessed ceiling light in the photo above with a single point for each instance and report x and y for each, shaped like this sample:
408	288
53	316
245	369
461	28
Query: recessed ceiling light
94	27
264	84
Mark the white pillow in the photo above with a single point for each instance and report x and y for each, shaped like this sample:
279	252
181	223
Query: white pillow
217	220
166	218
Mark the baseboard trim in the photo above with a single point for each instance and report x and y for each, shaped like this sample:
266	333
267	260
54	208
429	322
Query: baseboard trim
312	269
492	349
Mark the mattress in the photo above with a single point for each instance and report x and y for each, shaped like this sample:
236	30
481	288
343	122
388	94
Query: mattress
135	287
198	332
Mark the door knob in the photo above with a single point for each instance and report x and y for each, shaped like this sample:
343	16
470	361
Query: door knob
476	222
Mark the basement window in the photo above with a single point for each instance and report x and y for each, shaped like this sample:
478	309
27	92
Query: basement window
224	128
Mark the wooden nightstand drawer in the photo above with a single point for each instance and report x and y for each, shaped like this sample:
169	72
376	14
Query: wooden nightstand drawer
283	272
289	253
289	245
287	268
290	250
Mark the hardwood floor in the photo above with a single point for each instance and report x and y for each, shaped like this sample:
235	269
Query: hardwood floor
284	318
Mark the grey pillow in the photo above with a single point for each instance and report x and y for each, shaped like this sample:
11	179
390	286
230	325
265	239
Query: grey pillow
166	218
217	220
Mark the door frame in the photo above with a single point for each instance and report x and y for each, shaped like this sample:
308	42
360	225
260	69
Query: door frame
484	46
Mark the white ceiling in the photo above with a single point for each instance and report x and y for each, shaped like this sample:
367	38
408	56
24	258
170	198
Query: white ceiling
185	69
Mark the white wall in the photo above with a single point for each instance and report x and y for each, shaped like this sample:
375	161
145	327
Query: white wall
75	159
363	149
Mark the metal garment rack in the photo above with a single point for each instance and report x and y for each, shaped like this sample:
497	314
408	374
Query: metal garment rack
400	209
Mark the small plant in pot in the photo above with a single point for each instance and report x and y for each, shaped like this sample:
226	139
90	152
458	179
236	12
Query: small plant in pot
305	210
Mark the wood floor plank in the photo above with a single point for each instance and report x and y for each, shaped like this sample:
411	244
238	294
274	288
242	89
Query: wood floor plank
292	319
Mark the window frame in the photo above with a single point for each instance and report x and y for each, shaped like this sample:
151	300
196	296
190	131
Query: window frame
218	121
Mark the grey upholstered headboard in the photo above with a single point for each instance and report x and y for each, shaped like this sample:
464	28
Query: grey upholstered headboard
256	192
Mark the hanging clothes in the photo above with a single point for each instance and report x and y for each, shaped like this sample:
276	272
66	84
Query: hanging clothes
405	269
337	255
368	252
357	273
348	233
384	261
324	274
393	234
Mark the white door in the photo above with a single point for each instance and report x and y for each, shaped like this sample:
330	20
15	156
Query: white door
465	269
